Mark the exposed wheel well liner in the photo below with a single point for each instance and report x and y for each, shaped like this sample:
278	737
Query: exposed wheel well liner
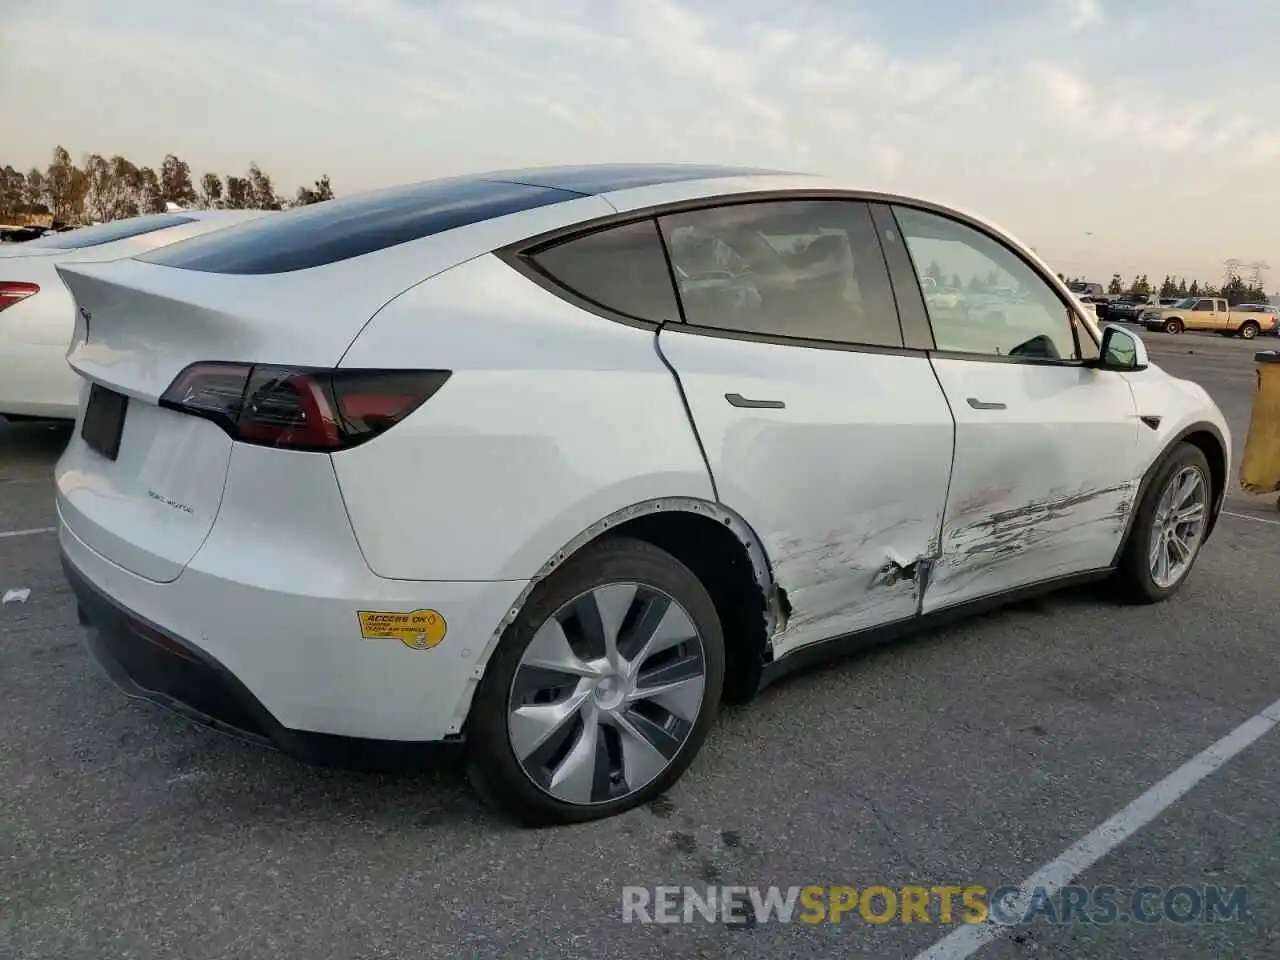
721	561
722	551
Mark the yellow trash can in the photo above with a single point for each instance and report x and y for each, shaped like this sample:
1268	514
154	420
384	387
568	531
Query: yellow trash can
1260	467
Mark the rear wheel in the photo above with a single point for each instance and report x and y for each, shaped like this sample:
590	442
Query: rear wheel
1168	529
1173	325
601	691
1249	329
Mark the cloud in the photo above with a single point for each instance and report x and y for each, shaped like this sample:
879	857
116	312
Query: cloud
999	106
1083	13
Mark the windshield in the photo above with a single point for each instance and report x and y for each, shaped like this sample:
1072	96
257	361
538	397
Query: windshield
107	232
1186	303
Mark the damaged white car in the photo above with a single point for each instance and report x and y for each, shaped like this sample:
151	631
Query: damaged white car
545	464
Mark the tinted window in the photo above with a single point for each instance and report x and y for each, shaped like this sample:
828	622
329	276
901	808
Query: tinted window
997	303
348	227
108	232
798	268
1205	305
622	269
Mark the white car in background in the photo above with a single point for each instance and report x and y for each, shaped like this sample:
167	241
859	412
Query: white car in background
37	316
480	462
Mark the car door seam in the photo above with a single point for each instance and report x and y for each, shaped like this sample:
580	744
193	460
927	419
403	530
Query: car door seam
688	411
946	495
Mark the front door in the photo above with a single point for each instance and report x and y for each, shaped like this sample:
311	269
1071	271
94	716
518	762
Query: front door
1046	448
832	441
1206	316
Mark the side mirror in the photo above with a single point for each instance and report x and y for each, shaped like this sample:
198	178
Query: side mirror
1122	350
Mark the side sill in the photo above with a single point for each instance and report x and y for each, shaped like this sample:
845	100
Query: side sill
825	651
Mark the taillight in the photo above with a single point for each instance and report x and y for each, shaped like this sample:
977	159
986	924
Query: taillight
300	408
11	293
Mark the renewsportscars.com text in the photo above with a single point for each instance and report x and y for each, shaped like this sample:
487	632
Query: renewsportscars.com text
938	904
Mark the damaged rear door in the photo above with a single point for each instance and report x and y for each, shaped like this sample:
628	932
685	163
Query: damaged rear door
827	436
1046	447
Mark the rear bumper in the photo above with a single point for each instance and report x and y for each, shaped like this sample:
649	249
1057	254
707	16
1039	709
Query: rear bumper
286	664
149	662
152	664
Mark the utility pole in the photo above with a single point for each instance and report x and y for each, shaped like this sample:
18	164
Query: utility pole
1257	273
1231	271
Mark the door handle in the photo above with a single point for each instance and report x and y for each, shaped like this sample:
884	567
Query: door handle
984	405
738	400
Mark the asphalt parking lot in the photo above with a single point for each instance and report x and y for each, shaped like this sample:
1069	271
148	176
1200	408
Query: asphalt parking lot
973	755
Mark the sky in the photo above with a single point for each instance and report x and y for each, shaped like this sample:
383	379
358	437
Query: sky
1111	135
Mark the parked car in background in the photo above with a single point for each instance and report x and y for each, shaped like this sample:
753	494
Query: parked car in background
37	315
1212	314
1262	310
1087	303
22	234
948	298
481	462
1085	287
1129	307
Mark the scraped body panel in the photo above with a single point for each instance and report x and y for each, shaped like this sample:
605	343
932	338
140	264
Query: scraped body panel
1041	486
844	484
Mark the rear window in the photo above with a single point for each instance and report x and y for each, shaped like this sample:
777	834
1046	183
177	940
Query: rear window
623	269
108	232
323	233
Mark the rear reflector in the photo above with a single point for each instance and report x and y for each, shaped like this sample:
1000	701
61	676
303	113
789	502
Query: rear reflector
11	293
300	408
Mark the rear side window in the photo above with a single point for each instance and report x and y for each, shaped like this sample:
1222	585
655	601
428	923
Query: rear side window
809	269
107	232
622	269
324	233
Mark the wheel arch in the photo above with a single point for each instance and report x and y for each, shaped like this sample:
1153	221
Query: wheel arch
1209	439
721	549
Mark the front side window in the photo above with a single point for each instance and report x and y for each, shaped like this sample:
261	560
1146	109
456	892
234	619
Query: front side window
807	269
1205	306
622	269
997	305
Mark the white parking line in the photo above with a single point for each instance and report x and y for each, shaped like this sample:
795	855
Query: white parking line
1245	516
1051	878
6	534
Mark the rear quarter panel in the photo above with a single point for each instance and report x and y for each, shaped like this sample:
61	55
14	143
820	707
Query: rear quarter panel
554	419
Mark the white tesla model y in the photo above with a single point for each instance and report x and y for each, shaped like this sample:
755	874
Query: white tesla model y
548	463
37	316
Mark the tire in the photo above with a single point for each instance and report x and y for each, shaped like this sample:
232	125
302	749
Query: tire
1134	579
1172	325
506	781
1249	329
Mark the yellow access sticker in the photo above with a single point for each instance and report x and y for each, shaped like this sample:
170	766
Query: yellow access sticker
417	629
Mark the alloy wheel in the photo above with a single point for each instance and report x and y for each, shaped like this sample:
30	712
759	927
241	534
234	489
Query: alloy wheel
606	693
1178	526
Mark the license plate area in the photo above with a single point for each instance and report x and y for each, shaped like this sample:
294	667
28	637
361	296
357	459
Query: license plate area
103	424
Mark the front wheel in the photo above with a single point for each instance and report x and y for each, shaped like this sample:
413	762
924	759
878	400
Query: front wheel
1249	329
1173	326
1168	529
602	689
